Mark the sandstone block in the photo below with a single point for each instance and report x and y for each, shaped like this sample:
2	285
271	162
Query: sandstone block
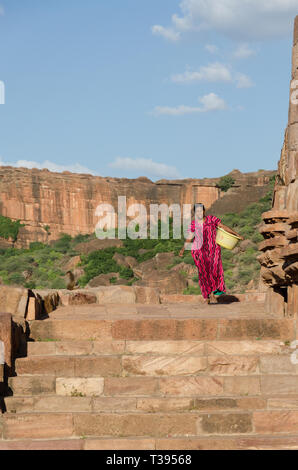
77	386
116	294
93	366
6	339
133	386
32	385
279	384
38	426
134	424
163	365
244	386
224	423
233	365
276	422
119	444
147	295
188	386
195	348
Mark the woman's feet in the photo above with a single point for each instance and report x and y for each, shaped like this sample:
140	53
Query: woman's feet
213	297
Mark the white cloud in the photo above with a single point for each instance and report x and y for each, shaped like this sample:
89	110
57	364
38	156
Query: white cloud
211	48
214	73
243	51
145	166
246	19
210	102
243	81
75	168
168	33
211	73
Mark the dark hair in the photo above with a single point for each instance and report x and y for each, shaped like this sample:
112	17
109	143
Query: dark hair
198	204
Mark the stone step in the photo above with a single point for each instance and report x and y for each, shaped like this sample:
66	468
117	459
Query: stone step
156	387
155	347
156	365
158	425
78	403
153	329
191	443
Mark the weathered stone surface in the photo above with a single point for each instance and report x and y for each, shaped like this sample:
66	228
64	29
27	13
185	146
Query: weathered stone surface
48	300
168	282
184	348
224	424
66	330
188	386
32	385
273	422
242	386
292	309
165	329
147	295
114	404
256	328
233	365
38	425
6	338
275	302
119	444
142	424
278	263
13	300
133	386
52	444
163	365
279	384
180	298
82	298
277	365
78	386
116	294
102	280
246	348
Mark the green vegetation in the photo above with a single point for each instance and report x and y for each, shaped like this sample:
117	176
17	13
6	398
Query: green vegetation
242	267
9	228
42	265
225	183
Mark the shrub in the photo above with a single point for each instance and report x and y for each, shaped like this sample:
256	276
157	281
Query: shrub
9	228
225	183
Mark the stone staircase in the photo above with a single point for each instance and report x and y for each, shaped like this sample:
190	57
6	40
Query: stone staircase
158	377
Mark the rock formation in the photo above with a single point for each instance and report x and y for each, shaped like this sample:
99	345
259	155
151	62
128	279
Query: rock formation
52	203
279	258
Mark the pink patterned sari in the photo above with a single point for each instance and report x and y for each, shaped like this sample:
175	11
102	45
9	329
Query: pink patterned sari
207	255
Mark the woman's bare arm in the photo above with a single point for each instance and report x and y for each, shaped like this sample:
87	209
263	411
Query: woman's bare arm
229	230
189	239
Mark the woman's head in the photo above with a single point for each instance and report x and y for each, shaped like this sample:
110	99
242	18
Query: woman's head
199	210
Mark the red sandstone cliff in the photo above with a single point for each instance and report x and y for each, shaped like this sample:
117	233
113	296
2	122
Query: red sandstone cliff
66	202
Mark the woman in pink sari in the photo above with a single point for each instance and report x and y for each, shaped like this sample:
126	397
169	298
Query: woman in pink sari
206	253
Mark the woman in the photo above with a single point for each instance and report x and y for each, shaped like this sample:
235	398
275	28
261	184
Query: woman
207	253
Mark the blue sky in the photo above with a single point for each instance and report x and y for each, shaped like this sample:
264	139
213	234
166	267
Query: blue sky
128	88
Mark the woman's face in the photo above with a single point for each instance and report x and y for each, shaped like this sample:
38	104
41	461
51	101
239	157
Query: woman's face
199	213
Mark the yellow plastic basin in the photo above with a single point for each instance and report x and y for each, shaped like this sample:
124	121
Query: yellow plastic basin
225	239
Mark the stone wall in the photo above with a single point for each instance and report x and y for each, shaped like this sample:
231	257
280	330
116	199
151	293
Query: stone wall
279	258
